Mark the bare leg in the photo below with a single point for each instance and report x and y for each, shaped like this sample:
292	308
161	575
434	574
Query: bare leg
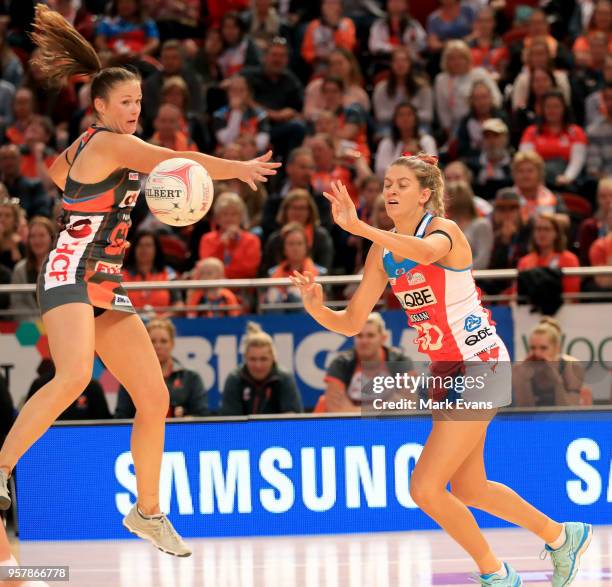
70	330
125	348
448	445
470	485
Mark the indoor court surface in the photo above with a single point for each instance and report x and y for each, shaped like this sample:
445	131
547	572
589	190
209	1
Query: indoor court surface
410	559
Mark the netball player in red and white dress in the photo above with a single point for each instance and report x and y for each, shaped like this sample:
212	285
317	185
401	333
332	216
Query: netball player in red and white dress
84	307
427	260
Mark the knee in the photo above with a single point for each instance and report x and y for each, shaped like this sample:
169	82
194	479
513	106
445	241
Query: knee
470	495
73	382
424	493
153	403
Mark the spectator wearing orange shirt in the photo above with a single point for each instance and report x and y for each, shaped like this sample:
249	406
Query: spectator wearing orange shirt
488	50
36	154
239	250
549	249
600	254
23	110
238	49
601	21
146	262
562	146
168	133
324	34
222	301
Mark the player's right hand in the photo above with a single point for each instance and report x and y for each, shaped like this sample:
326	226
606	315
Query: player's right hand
312	292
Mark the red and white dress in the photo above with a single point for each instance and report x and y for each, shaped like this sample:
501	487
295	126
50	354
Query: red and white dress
454	330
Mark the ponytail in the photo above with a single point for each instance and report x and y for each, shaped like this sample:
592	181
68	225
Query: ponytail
63	52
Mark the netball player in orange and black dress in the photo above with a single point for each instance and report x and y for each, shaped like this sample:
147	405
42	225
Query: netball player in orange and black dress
84	307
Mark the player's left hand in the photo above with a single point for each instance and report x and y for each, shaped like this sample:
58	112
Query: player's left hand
343	208
257	170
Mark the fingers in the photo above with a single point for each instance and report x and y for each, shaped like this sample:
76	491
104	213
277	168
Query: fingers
266	156
251	184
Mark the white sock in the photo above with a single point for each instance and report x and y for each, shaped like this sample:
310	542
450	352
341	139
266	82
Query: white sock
560	540
501	571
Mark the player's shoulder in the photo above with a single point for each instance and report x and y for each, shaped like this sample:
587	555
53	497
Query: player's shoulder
445	224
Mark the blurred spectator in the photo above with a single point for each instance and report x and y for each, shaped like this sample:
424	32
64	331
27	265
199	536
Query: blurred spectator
536	198
177	19
12	249
222	301
488	50
7	98
239	250
78	15
402	84
597	225
601	21
294	256
11	69
594	104
259	386
30	192
241	117
263	21
188	396
239	51
204	61
351	370
492	168
549	249
453	85
460	208
41	232
90	405
470	130
538	56
192	124
277	90
396	29
561	145
541	81
299	207
600	254
145	261
547	377
352	120
369	189
459	171
510	240
23	110
168	133
451	21
599	153
406	136
342	64
172	62
37	155
215	9
7	410
324	34
127	32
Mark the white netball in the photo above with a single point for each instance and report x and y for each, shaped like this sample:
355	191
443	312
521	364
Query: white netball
179	191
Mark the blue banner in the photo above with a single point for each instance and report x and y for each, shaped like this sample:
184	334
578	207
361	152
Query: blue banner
301	476
212	346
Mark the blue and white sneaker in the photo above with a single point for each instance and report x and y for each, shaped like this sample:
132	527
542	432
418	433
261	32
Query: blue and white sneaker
512	579
566	559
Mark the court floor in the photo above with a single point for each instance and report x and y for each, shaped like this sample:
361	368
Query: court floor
411	559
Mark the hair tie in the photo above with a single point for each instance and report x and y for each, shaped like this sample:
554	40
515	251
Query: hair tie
430	159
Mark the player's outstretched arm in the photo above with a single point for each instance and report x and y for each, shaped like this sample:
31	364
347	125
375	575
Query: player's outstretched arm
422	250
351	320
136	154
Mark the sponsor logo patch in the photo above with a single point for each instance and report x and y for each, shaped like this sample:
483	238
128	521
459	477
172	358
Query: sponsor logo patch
417	298
472	322
109	268
133	176
415	278
478	336
419	317
122	301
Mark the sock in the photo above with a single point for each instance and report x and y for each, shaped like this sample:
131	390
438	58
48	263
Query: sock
153	517
501	572
559	541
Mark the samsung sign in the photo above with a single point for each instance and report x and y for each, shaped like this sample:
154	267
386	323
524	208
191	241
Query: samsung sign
302	476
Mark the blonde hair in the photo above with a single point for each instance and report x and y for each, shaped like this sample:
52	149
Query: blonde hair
529	157
163	324
228	199
425	168
549	327
212	262
378	321
458	46
256	337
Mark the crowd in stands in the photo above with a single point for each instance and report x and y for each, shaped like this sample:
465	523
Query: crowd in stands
513	96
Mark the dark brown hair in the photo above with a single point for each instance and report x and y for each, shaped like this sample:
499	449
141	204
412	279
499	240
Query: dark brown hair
50	228
63	53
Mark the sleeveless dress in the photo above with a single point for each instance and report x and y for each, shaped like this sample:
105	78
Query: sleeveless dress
85	264
453	329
